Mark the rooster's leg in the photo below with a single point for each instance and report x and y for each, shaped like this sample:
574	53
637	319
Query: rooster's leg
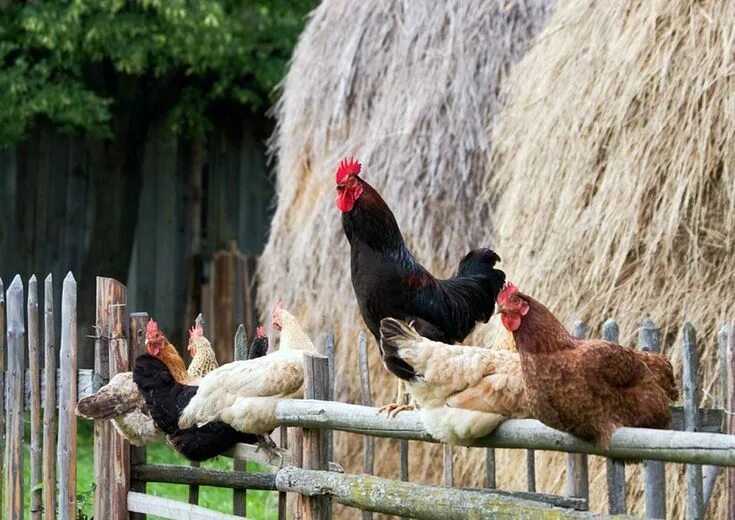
400	405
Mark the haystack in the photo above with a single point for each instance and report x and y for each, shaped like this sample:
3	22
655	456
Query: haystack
615	179
410	89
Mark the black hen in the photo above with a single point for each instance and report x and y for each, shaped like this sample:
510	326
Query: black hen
389	282
166	398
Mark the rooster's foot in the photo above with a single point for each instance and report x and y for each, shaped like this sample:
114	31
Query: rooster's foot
394	409
269	447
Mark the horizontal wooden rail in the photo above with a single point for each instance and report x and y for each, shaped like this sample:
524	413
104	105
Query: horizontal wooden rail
172	509
421	501
172	474
84	386
627	443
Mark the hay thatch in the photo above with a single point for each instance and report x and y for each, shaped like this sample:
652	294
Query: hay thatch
615	177
409	88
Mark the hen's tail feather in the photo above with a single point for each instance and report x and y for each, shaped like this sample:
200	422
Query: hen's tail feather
100	406
396	334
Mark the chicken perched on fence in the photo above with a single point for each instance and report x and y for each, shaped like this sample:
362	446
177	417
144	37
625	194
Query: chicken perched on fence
121	401
390	283
203	358
244	394
463	392
166	398
588	388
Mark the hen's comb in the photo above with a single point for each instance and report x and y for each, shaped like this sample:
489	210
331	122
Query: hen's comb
277	308
260	331
196	332
508	290
151	328
346	168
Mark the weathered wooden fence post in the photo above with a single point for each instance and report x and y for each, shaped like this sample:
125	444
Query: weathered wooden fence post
316	386
239	496
67	440
615	468
731	415
119	362
14	505
194	488
138	323
110	293
710	473
649	340
49	415
695	509
366	398
34	366
577	468
2	384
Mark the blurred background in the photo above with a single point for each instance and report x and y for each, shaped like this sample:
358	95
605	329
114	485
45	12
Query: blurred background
133	140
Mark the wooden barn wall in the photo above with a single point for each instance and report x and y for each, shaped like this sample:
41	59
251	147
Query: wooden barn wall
46	212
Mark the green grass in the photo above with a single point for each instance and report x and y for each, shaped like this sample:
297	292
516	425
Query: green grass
260	504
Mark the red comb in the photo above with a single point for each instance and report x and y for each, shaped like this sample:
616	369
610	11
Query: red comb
346	168
151	328
508	290
196	332
260	331
277	308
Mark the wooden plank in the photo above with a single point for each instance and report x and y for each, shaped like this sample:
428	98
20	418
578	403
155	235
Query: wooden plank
368	442
710	473
49	402
119	358
172	509
447	466
282	497
730	475
403	444
138	455
531	470
649	340
490	481
67	440
2	384
577	466
615	468
34	367
194	487
239	496
110	293
14	505
85	382
316	386
695	504
296	447
415	500
626	443
329	352
173	474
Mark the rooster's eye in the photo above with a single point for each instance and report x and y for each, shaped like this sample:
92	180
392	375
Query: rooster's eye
351	182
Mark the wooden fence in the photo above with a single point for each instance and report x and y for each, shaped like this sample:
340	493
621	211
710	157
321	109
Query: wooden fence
307	470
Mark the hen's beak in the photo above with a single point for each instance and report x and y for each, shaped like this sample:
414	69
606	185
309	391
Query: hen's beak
147	342
499	309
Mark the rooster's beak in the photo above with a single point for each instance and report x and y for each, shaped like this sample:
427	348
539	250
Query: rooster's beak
499	309
147	342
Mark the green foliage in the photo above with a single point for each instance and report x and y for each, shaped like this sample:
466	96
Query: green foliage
80	63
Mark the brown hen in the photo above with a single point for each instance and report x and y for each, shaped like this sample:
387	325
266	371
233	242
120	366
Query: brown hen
588	388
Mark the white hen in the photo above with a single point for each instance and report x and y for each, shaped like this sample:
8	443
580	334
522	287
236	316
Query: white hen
463	392
244	394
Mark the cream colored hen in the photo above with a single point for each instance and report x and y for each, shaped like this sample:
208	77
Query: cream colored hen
463	392
244	394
